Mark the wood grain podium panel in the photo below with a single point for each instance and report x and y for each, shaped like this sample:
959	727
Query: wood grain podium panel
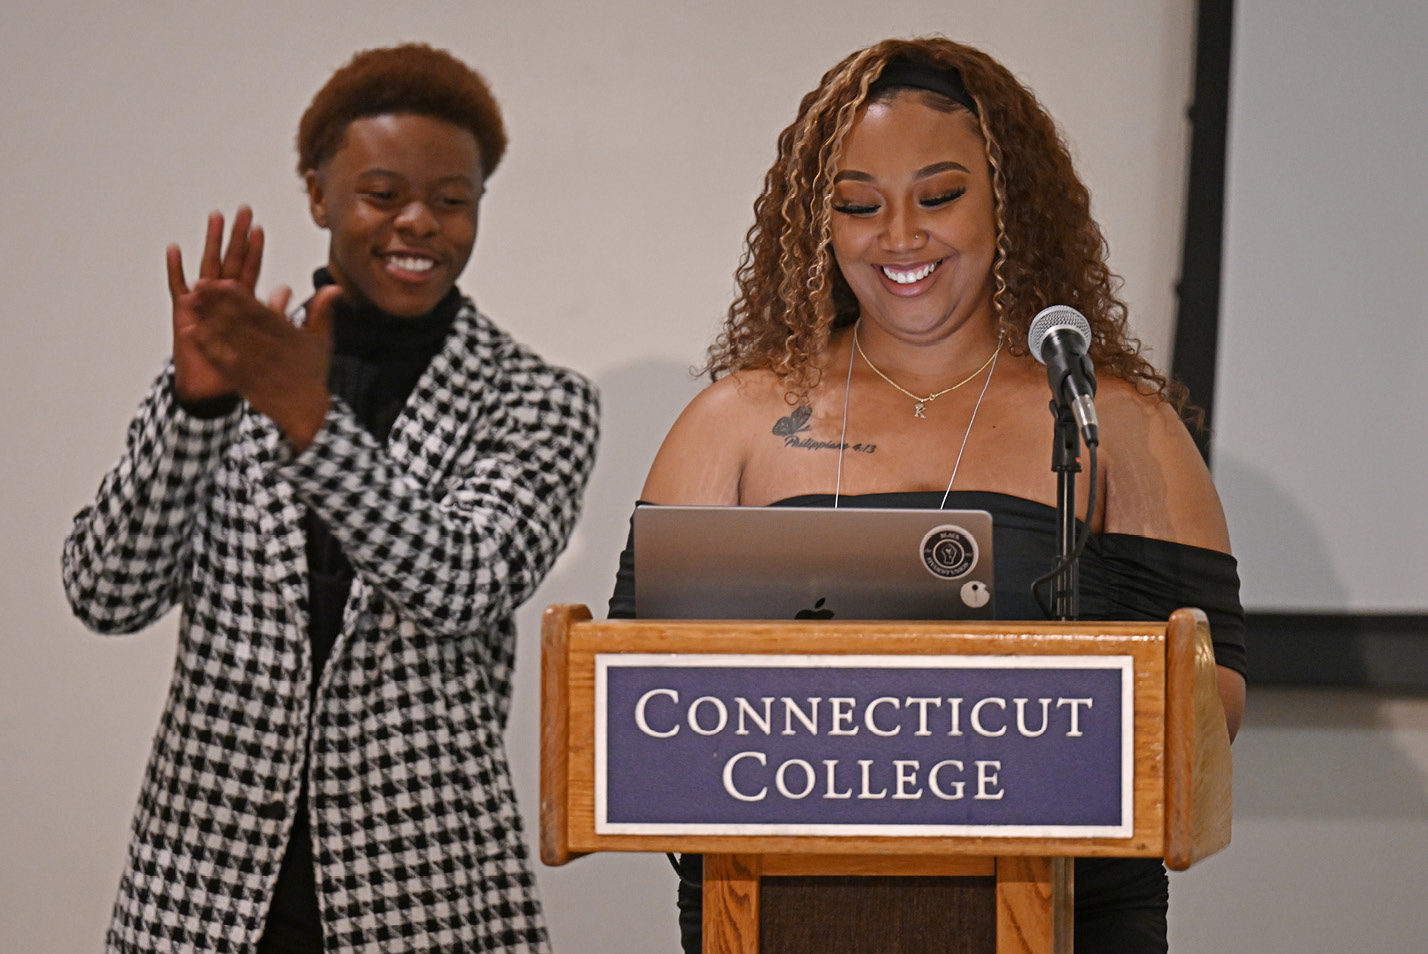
786	894
1034	905
731	903
1199	772
568	802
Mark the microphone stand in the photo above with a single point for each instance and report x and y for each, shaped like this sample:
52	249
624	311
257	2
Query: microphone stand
1066	462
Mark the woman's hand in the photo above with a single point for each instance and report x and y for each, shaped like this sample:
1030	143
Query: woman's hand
195	378
280	369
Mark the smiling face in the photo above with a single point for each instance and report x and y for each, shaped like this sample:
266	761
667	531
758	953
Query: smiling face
400	200
914	229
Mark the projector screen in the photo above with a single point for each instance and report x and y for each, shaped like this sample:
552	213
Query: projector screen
1320	447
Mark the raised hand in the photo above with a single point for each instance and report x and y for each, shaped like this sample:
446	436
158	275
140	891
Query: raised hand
195	377
280	369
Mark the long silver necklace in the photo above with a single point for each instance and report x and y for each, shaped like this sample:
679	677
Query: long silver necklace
920	403
848	389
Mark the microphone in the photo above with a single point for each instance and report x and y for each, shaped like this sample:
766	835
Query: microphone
1059	338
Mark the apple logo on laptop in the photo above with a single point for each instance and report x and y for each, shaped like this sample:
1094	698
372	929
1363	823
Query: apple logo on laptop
817	611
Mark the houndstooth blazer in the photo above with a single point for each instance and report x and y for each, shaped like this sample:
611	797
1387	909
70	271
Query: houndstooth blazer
450	526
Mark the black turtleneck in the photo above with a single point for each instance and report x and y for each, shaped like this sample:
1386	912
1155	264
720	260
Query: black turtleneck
377	360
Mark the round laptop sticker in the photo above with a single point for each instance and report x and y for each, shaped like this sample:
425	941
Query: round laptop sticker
949	551
975	594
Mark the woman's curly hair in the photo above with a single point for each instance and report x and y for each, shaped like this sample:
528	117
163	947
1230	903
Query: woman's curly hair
1050	250
411	78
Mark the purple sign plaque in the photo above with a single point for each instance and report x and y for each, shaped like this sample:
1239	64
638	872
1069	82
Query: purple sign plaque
992	746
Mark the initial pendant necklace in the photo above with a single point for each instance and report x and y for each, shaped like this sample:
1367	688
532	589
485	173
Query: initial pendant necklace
922	402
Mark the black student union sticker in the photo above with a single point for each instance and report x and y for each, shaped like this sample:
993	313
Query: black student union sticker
949	551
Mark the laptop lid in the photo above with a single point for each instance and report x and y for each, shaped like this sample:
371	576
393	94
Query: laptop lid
812	563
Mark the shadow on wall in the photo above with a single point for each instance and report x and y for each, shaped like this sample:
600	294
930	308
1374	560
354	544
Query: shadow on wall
1260	509
1332	754
1312	753
639	403
1300	561
1304	626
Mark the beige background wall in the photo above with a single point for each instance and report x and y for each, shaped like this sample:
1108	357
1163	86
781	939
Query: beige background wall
640	134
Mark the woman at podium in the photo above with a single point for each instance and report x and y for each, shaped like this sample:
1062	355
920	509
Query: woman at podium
922	210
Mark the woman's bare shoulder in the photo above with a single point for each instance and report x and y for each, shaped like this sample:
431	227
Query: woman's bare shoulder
718	411
1157	484
704	453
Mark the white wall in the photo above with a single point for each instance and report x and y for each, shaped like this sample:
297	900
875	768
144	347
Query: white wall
1330	846
1320	443
1319	455
640	135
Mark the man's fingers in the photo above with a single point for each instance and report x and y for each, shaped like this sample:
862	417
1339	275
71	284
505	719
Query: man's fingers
173	259
319	311
208	265
253	260
236	258
280	299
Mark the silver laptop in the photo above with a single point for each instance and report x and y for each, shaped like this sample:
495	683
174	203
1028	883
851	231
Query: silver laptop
812	563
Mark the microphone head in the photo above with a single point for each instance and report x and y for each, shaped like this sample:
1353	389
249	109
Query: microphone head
1056	318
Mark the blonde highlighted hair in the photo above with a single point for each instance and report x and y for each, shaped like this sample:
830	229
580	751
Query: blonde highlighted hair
791	293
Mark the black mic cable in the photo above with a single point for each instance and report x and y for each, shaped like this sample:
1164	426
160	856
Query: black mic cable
1063	564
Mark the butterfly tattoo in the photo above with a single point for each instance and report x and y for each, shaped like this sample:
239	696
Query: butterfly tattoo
795	423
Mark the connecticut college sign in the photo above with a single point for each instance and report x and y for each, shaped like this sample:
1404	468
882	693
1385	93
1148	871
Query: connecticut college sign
1004	746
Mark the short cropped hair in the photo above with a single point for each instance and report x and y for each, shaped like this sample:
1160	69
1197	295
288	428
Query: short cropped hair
412	78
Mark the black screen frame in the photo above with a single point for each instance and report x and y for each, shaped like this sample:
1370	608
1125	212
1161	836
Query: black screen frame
1386	651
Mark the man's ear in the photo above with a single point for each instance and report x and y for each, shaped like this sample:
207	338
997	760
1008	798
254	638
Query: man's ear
316	198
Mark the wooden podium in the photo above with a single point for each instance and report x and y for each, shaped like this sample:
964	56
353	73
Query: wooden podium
1171	784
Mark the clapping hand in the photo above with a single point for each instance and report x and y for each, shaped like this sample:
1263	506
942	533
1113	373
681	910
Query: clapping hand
227	341
195	378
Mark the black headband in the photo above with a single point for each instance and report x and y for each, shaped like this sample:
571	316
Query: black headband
945	81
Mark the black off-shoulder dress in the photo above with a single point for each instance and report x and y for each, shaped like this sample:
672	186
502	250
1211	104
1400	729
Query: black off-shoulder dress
1120	903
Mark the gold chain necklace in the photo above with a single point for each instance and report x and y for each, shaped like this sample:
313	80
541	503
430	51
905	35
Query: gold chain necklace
956	464
922	402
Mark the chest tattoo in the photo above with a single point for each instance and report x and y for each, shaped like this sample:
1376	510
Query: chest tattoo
797	423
